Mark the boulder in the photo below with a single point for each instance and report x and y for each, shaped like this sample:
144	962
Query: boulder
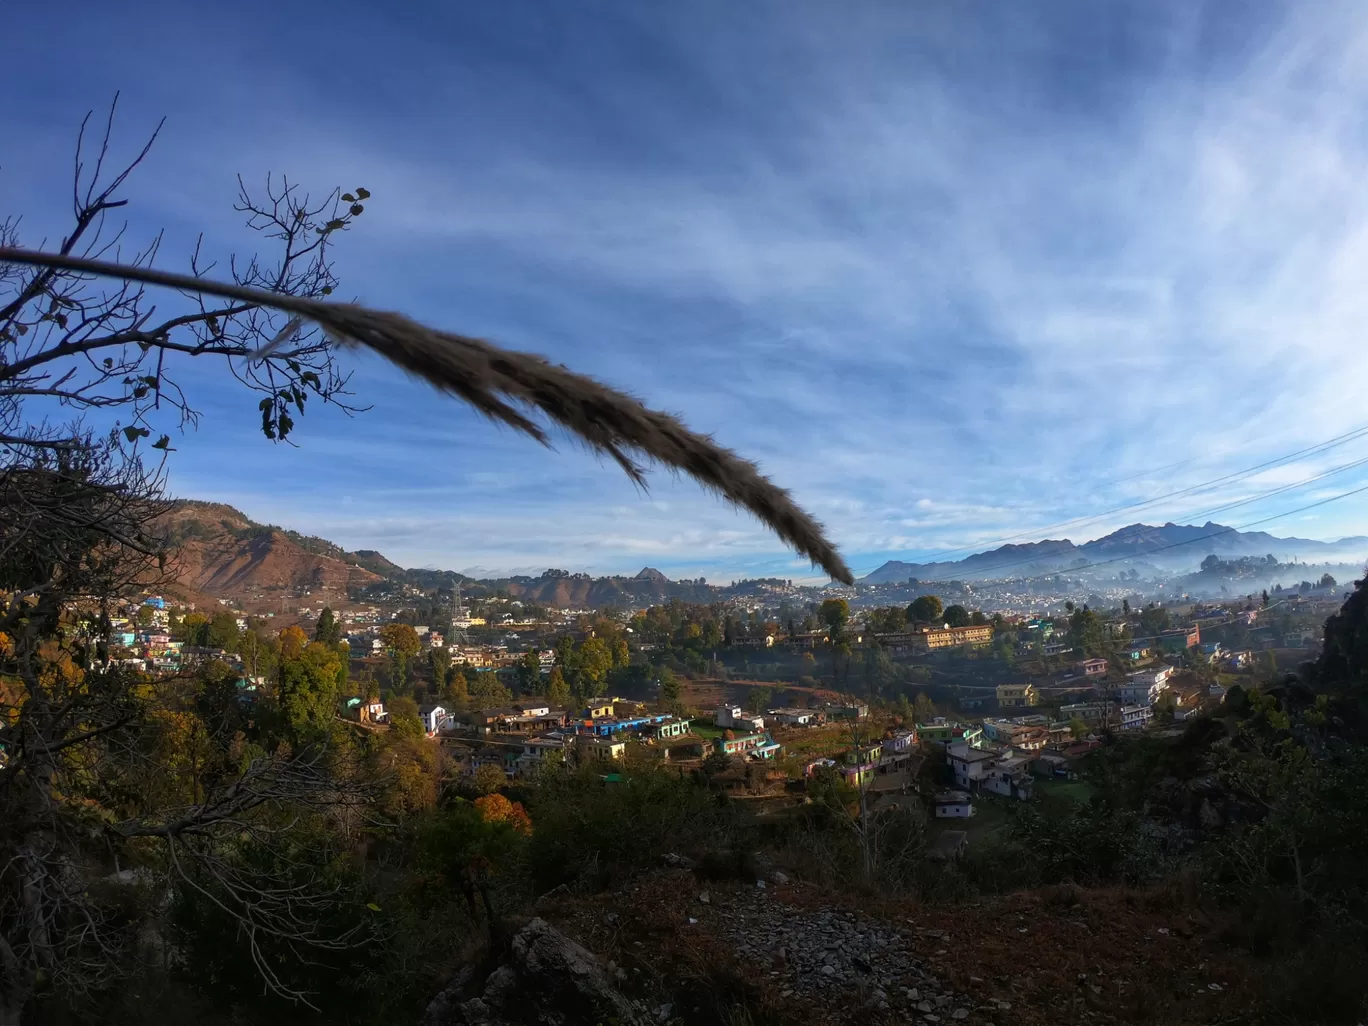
548	980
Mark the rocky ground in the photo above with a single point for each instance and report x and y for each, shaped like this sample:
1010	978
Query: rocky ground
787	951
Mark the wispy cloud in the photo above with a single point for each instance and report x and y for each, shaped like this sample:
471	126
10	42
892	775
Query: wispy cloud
952	277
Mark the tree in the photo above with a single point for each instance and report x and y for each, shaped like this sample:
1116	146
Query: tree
310	685
835	613
977	618
1211	562
293	641
758	700
1125	607
669	688
488	778
328	630
926	609
1078	728
439	661
957	616
595	660
557	691
223	632
455	687
923	709
404	719
401	644
529	672
488	692
1085	631
78	535
1154	620
1327	581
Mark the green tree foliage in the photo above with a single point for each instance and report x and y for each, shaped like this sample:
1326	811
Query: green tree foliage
488	692
669	688
557	690
401	644
926	609
1154	619
956	616
328	630
1086	633
404	720
759	699
310	686
455	688
835	613
529	672
595	661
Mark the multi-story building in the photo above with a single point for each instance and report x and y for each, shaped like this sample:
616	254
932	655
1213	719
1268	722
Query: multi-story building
1017	696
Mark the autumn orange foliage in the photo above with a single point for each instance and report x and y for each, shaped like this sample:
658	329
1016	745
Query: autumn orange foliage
495	808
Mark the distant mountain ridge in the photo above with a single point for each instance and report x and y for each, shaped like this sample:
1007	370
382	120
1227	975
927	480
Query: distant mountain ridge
218	552
1167	545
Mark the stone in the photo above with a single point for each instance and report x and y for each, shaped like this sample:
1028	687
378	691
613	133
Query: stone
760	885
925	1006
960	1013
779	876
705	897
828	970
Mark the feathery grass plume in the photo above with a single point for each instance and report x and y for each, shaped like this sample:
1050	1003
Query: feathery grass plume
500	383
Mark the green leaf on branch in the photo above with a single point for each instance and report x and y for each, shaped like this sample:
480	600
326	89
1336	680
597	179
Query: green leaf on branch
363	194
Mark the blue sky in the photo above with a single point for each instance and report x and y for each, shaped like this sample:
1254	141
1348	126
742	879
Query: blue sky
951	272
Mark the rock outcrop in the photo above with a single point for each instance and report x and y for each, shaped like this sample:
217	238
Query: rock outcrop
548	980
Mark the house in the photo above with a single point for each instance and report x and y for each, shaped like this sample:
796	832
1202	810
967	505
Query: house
939	732
605	748
368	710
789	717
1052	765
599	710
538	751
847	711
1135	717
1093	667
1094	714
970	765
950	845
1017	696
901	741
1181	639
532	707
733	716
1144	687
433	717
751	743
954	805
667	730
1004	772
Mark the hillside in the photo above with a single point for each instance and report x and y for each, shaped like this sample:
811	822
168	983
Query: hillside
1170	545
218	551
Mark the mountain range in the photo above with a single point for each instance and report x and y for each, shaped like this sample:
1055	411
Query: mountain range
218	552
1167	546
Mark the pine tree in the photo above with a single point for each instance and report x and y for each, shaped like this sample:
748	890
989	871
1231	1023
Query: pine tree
557	691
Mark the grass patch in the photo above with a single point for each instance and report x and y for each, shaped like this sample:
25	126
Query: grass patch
1075	790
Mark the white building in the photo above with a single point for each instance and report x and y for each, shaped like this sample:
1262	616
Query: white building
736	718
1135	717
954	805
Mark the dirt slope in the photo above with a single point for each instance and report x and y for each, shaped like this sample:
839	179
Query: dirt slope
218	551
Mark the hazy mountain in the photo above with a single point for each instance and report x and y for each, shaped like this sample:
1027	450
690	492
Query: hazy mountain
1169	545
